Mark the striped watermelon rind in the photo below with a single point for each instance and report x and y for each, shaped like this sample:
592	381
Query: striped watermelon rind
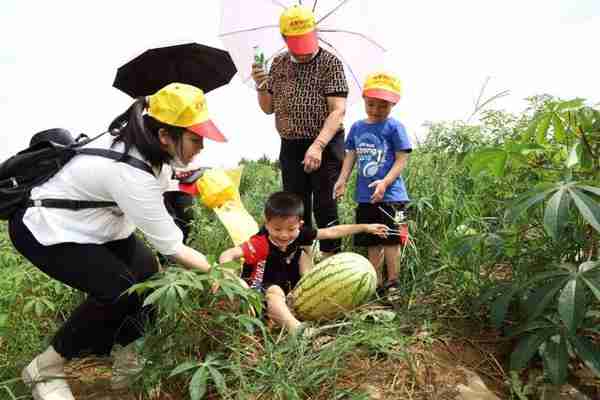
338	284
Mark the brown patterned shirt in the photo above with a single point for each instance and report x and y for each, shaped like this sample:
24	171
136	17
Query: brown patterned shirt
300	92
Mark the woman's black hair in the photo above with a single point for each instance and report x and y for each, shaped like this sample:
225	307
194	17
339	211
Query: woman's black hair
139	130
284	204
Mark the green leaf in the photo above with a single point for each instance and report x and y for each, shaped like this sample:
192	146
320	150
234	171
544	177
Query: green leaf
590	189
588	207
555	357
523	148
557	213
29	306
39	308
186	366
570	105
586	159
532	128
198	384
542	128
490	160
528	199
490	294
3	324
218	379
541	297
572	304
157	294
499	307
529	326
559	128
588	352
593	286
527	347
589	267
585	118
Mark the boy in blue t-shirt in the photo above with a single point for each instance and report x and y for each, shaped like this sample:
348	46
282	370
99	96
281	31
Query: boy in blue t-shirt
380	146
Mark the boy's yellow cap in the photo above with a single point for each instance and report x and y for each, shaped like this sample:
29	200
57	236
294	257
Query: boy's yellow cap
298	26
383	86
183	105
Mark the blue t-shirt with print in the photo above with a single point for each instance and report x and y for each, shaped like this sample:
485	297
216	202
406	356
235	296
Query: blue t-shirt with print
376	146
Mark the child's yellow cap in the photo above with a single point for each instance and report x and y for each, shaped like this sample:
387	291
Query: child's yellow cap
383	86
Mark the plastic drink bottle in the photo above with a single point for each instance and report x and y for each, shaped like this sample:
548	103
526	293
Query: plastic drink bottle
259	56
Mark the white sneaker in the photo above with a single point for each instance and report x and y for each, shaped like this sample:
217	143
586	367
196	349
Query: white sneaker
126	365
46	385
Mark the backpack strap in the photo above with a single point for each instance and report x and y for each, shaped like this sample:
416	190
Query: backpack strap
83	204
115	155
70	204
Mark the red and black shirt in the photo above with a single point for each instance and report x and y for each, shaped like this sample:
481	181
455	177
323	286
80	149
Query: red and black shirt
266	264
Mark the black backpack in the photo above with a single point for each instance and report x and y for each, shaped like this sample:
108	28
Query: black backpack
35	165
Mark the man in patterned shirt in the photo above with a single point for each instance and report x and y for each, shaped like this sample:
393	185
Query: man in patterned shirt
306	89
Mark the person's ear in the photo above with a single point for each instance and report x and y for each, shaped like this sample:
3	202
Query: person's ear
301	223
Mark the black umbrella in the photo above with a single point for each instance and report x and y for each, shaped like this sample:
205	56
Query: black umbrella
202	66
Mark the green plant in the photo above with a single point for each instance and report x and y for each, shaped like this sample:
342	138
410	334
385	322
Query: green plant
555	305
202	372
558	155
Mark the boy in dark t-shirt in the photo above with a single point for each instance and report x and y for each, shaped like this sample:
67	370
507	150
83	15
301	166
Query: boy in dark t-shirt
275	258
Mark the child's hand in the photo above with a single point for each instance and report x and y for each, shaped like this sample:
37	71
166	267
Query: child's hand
378	229
339	189
227	274
380	187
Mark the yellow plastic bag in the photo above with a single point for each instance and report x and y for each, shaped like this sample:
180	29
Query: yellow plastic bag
219	190
216	188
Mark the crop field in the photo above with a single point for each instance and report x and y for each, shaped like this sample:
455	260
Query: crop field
500	286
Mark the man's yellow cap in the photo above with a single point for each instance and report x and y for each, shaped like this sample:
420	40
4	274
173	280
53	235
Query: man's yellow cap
298	26
383	86
183	105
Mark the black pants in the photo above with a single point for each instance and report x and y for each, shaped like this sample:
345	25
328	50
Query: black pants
104	272
316	188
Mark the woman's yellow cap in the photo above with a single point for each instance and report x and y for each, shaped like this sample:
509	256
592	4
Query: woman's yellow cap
298	26
183	105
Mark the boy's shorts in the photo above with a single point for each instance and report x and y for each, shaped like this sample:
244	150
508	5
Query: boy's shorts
368	213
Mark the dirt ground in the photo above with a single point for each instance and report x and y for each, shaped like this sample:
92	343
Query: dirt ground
431	370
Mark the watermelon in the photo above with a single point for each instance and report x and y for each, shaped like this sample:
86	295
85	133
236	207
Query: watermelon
338	284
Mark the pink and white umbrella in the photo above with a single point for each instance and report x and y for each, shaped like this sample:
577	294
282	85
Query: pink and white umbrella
343	27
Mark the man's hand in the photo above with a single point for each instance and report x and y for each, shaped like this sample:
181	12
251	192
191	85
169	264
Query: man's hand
380	187
260	76
339	188
312	158
377	229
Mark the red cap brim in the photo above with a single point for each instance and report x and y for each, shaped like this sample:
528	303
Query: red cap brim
208	130
303	44
382	95
189	188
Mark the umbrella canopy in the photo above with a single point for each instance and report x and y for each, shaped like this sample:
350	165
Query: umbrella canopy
202	66
343	28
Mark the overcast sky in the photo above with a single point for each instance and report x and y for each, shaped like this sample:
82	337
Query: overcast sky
58	60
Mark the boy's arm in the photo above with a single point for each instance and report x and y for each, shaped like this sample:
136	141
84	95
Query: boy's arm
338	231
340	185
382	184
397	167
234	253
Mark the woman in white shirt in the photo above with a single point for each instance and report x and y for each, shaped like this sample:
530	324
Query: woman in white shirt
95	249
